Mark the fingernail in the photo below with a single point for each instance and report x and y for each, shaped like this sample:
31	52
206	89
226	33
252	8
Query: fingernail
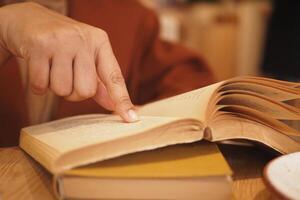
133	117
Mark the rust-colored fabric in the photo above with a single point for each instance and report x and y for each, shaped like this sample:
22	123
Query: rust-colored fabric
12	105
153	69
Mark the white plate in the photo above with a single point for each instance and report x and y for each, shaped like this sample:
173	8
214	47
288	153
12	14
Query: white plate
282	176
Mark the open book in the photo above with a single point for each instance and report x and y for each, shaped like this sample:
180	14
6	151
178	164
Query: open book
251	108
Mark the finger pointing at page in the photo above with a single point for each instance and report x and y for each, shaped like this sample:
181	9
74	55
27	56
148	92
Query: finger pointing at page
109	72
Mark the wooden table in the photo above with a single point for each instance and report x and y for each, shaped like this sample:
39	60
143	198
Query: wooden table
23	178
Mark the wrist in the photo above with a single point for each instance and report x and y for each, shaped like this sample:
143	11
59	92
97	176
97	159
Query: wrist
12	20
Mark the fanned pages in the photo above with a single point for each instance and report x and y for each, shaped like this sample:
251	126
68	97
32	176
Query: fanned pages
251	108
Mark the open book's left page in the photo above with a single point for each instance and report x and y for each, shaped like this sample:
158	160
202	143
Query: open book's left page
47	142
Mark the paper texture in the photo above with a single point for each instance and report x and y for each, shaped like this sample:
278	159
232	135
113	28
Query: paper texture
81	131
192	104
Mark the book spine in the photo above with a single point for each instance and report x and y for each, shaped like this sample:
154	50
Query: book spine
207	134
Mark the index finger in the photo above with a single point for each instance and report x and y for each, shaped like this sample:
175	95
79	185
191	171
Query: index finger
110	73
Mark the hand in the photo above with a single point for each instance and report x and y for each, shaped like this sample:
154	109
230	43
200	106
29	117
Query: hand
73	59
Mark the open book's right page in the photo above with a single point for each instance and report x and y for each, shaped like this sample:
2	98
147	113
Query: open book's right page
192	104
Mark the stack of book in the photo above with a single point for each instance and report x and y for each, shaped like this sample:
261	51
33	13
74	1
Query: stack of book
99	156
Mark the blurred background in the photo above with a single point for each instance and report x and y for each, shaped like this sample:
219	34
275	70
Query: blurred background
236	37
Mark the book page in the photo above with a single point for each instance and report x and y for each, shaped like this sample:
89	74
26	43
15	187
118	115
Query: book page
263	118
81	131
274	109
75	141
269	80
234	127
269	89
192	104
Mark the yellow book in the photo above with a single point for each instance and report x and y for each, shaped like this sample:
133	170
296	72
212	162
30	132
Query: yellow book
190	171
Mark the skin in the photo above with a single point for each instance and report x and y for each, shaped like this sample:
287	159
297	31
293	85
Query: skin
73	59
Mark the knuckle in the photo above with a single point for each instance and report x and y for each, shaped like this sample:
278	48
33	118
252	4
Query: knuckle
42	42
79	32
116	77
61	91
103	34
62	37
124	101
87	93
102	37
24	52
39	40
38	86
91	91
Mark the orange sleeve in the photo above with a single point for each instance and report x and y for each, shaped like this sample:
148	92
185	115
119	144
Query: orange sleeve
168	69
